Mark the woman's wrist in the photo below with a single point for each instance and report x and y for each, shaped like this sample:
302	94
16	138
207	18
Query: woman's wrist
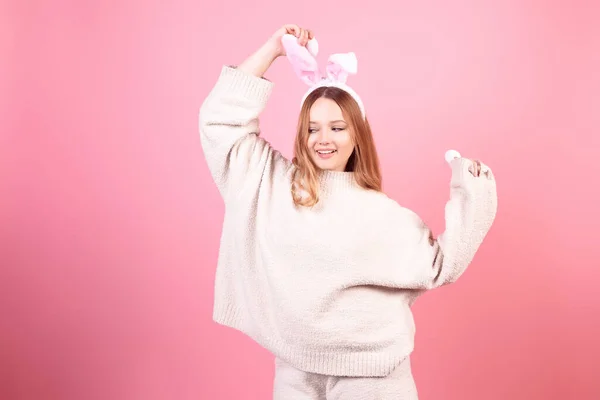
271	50
260	61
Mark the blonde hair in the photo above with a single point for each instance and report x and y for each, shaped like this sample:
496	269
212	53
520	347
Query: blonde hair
363	161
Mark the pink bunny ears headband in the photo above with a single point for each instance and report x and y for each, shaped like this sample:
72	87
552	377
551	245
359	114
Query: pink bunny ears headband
338	68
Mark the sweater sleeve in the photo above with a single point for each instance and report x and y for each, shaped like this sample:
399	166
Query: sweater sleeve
469	214
230	134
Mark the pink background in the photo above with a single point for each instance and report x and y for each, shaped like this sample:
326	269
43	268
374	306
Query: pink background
109	220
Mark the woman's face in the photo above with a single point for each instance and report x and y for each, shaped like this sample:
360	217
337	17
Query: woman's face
330	141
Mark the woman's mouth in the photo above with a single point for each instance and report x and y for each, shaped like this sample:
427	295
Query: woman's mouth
325	154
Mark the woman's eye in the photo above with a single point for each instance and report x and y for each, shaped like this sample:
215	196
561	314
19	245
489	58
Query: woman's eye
312	130
337	129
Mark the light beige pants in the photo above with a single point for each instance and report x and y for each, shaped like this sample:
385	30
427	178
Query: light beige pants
293	384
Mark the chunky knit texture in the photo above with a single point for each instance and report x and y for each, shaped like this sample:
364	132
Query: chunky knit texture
327	289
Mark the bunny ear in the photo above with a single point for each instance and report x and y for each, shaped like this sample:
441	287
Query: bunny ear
303	62
339	66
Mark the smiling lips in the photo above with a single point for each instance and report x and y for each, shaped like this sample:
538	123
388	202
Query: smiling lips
326	153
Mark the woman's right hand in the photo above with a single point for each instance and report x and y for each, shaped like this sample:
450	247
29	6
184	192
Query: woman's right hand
260	61
303	35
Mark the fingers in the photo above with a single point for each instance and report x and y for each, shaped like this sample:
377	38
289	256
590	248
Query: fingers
292	29
303	39
486	171
477	169
303	35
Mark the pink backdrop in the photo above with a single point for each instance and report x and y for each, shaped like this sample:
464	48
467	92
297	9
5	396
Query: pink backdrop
110	221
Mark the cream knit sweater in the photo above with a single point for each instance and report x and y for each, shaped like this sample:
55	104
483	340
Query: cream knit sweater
327	289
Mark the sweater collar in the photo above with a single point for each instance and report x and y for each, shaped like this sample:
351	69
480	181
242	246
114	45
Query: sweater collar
334	180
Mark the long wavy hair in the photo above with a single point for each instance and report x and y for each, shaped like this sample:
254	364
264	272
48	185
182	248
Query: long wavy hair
363	162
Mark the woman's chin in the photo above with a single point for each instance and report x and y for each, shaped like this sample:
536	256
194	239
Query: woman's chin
324	165
327	165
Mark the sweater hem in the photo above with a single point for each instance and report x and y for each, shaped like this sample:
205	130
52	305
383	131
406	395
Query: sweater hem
331	363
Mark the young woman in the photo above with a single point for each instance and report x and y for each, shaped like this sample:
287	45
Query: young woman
316	263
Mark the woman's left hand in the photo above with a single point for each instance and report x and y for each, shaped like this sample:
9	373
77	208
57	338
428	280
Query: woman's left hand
478	168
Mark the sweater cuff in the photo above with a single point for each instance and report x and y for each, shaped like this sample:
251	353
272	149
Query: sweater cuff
244	84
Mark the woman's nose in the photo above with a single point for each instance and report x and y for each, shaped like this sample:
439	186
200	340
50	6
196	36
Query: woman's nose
324	137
